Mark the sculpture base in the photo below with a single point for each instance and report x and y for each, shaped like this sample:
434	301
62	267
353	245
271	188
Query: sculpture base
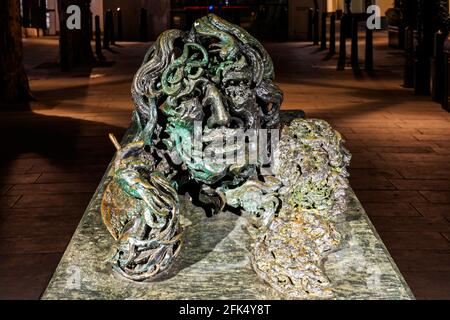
215	261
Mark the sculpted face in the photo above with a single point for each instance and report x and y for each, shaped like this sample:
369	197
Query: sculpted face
209	84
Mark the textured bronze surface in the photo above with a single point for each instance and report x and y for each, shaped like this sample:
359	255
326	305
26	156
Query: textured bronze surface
193	92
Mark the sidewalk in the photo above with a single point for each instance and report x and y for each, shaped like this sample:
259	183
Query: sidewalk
56	156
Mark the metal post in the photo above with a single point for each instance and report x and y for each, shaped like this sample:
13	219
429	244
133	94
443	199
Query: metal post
333	33
446	84
354	57
91	27
421	72
310	24
368	63
106	32
112	27
323	43
348	13
316	27
98	40
438	67
143	26
408	73
342	44
422	62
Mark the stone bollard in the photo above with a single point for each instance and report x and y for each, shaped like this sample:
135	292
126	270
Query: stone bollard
106	31
408	73
332	48
310	24
98	40
342	44
354	57
323	38
316	27
438	67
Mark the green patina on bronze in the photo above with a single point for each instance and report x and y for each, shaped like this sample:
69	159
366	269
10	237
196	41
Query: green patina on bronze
193	91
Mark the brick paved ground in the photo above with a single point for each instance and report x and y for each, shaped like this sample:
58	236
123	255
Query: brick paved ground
53	158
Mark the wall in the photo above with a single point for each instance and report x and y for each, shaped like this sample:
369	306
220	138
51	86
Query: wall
97	10
358	5
298	13
298	17
384	5
158	16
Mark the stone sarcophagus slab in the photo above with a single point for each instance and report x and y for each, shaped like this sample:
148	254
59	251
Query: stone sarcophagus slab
216	262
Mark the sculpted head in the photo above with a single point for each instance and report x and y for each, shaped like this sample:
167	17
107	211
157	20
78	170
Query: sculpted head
212	81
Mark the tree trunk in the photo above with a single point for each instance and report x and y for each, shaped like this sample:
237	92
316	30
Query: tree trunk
14	87
75	45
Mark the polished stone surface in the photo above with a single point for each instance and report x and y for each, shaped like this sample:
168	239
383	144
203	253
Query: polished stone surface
215	263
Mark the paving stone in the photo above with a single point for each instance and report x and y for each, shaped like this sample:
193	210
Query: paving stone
420	124
418	157
74	168
53	200
52	188
397	150
47	212
422	185
18	166
433	137
390	196
372	173
414	240
439	150
422	260
417	224
399	209
18	178
34	225
376	183
52	177
446	235
4	189
442	144
8	201
433	131
35	244
424	173
429	285
437	196
25	275
433	210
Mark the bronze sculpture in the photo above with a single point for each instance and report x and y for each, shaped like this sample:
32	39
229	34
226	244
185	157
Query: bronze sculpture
210	92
